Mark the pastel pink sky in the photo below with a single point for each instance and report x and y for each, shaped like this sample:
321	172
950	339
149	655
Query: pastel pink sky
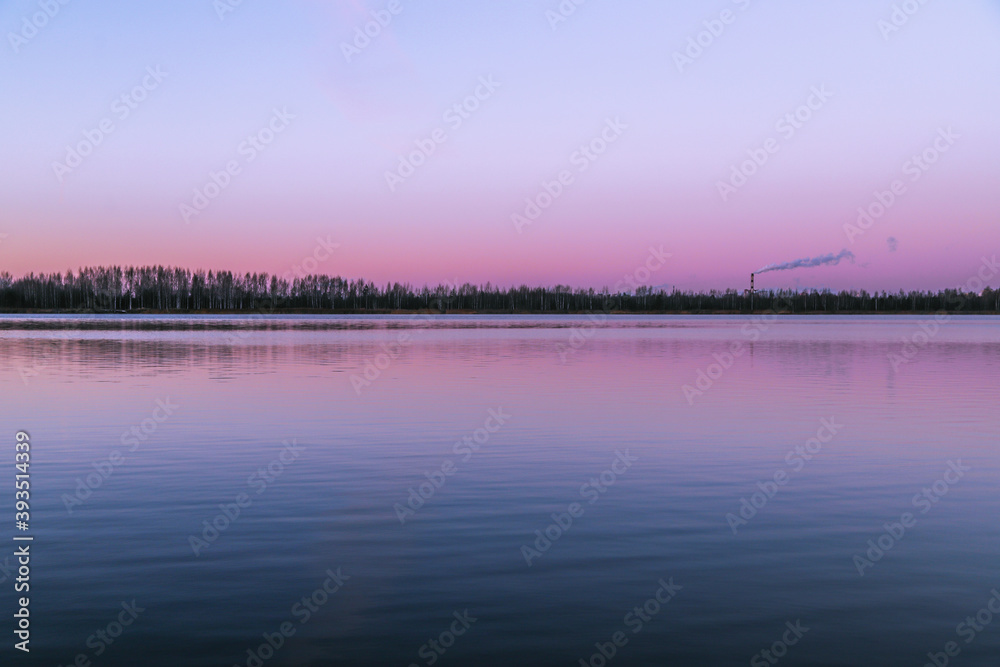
657	184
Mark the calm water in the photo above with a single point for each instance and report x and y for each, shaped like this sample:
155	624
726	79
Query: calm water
575	402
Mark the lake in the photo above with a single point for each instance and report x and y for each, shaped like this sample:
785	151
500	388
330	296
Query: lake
497	490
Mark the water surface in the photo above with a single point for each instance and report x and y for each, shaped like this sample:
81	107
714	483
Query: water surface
365	408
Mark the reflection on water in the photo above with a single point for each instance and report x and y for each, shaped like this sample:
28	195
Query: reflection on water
359	454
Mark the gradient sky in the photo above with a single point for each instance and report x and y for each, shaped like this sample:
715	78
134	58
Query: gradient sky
324	176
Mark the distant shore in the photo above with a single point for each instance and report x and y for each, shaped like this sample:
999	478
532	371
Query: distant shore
560	313
158	290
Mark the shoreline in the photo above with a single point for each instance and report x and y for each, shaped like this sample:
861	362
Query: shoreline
577	313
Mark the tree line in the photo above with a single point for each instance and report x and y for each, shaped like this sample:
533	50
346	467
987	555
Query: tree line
170	289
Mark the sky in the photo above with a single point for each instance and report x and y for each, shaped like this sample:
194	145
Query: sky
729	134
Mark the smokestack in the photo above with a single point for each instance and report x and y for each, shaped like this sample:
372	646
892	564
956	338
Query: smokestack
751	281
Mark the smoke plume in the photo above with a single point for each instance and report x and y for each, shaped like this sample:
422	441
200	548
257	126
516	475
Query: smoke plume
822	260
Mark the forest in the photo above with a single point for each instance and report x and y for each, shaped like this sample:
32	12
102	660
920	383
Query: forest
157	289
